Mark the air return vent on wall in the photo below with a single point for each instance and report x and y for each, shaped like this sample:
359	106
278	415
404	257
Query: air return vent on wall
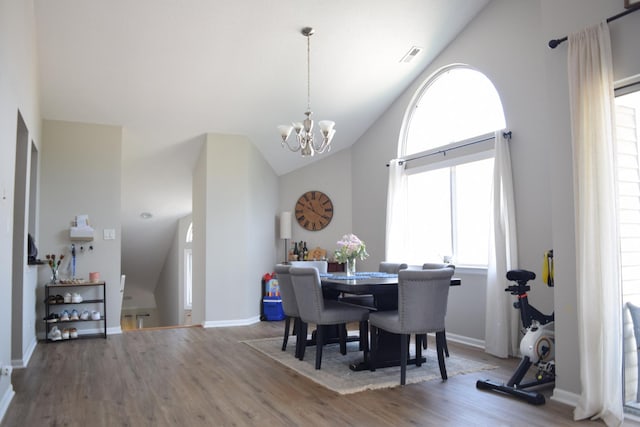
413	52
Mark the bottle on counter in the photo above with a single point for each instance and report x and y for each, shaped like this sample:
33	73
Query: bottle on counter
305	252
296	253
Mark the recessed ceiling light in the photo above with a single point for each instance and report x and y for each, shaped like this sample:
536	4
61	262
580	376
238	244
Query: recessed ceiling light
146	215
413	52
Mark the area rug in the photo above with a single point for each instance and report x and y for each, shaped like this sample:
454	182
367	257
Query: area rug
336	375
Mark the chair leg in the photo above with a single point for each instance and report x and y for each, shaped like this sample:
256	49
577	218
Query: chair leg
319	343
424	341
440	344
301	340
342	331
403	358
419	338
446	347
296	329
374	348
287	323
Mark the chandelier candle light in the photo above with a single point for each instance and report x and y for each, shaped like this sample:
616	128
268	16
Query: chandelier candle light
349	249
304	129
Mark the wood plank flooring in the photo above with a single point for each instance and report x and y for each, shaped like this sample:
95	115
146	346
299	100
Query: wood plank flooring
207	377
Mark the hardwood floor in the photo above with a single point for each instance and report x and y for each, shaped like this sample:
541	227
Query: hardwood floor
207	377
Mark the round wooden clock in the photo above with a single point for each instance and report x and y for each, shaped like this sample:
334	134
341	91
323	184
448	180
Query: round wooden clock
314	210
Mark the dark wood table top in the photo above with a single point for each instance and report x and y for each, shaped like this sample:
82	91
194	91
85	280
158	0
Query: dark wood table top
366	283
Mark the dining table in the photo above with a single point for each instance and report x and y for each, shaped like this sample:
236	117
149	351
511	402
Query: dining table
383	287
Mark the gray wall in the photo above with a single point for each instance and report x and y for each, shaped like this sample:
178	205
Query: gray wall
235	197
80	174
19	89
332	176
168	288
169	292
508	43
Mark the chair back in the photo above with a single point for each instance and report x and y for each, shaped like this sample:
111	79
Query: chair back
422	299
308	291
391	267
322	266
435	266
289	304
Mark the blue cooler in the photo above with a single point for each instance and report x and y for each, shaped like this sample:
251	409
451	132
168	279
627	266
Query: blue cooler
272	307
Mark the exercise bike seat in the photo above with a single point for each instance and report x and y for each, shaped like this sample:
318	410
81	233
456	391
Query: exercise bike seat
520	275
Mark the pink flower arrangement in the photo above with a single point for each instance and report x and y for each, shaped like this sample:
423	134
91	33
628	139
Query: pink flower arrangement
350	247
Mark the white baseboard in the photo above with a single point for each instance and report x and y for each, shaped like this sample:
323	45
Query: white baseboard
566	397
472	342
226	323
6	400
24	362
114	331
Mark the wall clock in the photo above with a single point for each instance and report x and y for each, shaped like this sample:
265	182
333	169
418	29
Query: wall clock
314	210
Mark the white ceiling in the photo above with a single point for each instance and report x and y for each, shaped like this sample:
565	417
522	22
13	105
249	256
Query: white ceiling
169	71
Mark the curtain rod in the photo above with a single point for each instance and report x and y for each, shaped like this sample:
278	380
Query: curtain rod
507	135
555	42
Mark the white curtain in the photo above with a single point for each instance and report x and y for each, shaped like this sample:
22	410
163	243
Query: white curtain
396	232
502	320
599	306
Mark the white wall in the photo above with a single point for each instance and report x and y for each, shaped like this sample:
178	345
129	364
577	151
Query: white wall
234	209
19	89
80	175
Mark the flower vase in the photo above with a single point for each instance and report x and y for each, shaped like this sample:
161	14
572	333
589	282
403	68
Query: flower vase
54	276
351	267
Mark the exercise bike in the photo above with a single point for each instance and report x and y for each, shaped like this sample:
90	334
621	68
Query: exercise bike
536	347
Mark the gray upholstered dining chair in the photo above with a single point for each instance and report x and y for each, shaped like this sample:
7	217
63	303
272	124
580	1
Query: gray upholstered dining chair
289	304
434	266
314	308
322	266
422	307
391	267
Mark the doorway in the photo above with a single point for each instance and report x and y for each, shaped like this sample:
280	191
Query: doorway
23	280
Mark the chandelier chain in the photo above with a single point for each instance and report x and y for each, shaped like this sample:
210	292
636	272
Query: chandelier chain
309	72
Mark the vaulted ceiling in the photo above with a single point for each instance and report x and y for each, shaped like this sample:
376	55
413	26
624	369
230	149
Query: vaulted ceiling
169	71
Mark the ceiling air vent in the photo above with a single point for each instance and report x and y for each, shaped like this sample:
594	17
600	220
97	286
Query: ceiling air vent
413	52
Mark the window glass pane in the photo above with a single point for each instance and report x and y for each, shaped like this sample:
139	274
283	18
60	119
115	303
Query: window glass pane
429	237
472	201
628	216
459	104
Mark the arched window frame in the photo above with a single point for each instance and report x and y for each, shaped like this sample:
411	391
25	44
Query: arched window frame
457	153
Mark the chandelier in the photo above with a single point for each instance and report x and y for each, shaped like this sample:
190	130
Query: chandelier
304	130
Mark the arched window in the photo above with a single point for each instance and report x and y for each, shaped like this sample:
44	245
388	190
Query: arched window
189	237
447	147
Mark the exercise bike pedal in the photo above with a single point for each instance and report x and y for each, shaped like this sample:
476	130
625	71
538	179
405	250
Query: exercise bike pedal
531	397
